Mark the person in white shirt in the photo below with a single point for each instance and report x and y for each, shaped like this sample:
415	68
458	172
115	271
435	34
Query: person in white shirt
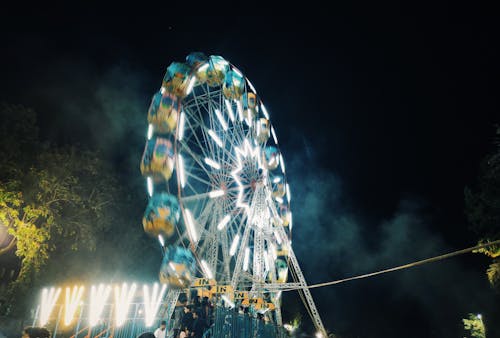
161	332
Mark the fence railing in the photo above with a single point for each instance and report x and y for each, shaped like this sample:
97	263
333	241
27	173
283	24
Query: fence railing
229	323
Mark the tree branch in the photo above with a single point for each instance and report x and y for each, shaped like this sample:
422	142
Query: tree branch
9	246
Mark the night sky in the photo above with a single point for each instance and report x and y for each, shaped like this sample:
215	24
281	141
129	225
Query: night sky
383	111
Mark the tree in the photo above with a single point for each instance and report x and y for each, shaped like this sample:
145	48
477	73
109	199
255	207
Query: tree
482	207
474	324
56	199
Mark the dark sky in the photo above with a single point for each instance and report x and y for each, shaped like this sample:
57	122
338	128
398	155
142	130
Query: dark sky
383	111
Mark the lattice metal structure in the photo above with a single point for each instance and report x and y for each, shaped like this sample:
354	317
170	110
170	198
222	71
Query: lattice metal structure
228	175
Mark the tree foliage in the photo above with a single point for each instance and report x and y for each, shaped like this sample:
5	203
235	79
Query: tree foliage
55	201
475	325
482	207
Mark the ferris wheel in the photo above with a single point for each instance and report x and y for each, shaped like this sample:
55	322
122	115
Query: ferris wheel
219	198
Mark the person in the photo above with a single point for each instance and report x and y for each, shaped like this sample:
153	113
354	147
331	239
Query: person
199	325
35	332
187	321
161	332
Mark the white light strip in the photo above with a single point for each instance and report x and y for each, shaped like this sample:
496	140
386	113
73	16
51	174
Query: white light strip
228	301
276	179
182	176
274	253
278	239
288	193
150	131
251	86
212	163
152	302
237	71
223	222
282	163
98	299
190	85
249	118
207	270
234	245
71	303
290	225
190	226
181	126
202	68
49	299
216	193
229	110
279	199
215	137
149	182
240	110
246	259
123	298
221	119
274	135
161	240
264	111
278	295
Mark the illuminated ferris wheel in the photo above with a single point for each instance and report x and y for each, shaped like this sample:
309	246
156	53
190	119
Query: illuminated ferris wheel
219	199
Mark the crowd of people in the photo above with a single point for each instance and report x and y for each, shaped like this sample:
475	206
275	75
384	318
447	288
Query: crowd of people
191	319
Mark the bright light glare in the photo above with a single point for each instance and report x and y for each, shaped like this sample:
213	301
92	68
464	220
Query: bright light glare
246	259
282	163
149	182
212	163
319	335
190	85
279	199
49	299
234	245
229	110
240	110
162	241
215	137
150	131
290	224
249	118
274	135
479	316
98	298
207	270
123	298
288	192
264	111
190	226
182	176
216	193
73	298
181	126
221	119
203	68
228	301
223	222
278	295
276	179
278	239
273	250
152	302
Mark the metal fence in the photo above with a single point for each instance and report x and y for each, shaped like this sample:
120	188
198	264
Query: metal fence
229	323
225	323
